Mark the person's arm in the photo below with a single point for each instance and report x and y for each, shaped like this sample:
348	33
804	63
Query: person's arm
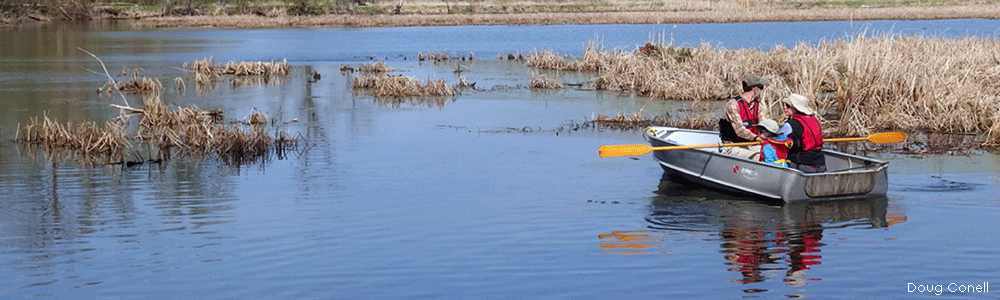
796	135
733	115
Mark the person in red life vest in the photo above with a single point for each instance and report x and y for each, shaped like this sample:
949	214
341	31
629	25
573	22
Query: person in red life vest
806	153
742	112
774	147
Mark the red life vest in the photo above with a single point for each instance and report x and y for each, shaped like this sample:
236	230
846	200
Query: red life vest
780	149
749	115
812	135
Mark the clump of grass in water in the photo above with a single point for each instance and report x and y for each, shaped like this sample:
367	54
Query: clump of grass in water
190	130
384	85
544	81
86	138
626	121
377	67
136	83
207	73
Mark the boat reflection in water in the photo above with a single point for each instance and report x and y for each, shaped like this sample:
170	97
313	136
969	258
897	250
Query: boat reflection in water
758	239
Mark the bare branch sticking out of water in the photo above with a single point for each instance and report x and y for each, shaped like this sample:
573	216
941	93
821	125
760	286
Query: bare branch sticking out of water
110	79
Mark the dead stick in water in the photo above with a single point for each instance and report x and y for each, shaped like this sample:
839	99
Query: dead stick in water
108	74
128	108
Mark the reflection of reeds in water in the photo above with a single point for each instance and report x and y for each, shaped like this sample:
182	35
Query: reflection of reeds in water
383	85
860	85
190	130
397	101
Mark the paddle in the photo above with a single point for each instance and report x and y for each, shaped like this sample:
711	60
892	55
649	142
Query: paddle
640	149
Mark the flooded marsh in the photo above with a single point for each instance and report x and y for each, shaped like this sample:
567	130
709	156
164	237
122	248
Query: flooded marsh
495	192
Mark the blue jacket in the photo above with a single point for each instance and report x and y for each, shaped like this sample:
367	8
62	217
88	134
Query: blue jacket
770	154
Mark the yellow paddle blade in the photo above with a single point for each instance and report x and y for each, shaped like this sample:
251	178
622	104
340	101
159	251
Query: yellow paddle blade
878	138
624	150
887	137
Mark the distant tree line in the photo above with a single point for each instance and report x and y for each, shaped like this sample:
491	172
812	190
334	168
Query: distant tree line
88	9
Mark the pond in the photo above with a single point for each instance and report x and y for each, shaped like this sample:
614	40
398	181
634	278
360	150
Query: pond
491	194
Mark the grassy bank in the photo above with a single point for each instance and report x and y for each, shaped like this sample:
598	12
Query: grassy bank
380	13
861	85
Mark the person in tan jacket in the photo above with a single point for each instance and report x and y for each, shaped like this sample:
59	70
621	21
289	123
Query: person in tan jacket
741	113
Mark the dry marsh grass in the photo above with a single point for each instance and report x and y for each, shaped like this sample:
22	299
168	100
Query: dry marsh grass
137	83
242	68
87	138
544	81
383	85
640	119
376	67
439	56
189	130
496	12
626	121
860	85
207	73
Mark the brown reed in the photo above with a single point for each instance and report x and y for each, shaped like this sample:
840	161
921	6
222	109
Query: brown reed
137	83
86	138
207	73
141	85
383	85
544	81
626	121
179	83
860	85
188	129
376	67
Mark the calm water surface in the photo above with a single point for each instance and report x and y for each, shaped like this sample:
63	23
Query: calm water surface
487	195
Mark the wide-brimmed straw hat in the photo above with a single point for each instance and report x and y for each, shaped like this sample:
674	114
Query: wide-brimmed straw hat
799	102
770	126
751	80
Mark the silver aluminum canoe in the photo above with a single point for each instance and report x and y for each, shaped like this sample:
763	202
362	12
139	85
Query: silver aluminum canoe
847	175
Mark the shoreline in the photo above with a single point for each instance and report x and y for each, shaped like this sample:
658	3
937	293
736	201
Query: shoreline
433	14
579	18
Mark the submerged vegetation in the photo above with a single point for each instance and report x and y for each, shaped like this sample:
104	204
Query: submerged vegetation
860	85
